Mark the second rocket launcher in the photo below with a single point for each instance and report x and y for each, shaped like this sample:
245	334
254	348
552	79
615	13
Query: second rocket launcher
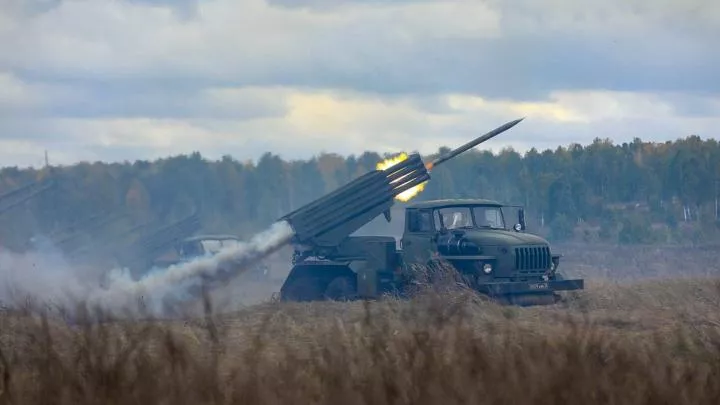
327	221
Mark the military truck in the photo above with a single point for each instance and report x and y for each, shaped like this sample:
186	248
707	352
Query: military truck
473	236
206	245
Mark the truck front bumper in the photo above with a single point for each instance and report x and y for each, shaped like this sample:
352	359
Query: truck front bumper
530	287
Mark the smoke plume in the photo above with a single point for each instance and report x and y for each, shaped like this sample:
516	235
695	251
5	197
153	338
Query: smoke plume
44	276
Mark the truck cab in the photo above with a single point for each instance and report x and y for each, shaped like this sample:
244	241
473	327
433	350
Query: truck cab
478	239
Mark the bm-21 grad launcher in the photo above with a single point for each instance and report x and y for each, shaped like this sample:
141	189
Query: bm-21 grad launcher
500	261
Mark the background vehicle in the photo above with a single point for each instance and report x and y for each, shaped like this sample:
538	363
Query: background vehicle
206	245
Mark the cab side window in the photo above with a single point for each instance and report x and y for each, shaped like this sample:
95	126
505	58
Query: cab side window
420	221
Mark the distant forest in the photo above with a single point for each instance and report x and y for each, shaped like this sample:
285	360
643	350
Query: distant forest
637	192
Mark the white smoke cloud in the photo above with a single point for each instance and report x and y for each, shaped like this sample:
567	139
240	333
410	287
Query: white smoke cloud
43	275
177	281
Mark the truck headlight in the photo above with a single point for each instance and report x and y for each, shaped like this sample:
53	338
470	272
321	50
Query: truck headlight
487	268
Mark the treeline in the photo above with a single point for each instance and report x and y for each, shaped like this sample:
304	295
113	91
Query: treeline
631	192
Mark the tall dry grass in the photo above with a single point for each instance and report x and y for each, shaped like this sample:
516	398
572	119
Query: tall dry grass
656	342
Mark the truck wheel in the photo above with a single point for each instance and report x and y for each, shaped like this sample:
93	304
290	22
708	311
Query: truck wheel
301	290
341	288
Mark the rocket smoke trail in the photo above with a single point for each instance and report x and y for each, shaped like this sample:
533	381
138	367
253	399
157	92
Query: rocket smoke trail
44	276
180	279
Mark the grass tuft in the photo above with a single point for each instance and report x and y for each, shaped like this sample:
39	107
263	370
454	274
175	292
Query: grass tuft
652	342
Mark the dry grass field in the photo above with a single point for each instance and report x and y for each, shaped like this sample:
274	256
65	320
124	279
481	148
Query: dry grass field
635	339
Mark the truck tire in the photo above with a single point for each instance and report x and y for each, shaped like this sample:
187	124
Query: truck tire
302	290
311	282
341	288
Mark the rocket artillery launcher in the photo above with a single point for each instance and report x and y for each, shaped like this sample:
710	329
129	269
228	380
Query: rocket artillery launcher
502	262
325	222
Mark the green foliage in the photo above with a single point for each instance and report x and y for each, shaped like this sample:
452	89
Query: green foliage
561	228
617	192
636	229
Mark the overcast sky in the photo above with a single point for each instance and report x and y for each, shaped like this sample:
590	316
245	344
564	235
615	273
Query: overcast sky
138	79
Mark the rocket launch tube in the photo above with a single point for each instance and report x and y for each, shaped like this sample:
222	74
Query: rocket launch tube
359	201
362	181
335	216
367	188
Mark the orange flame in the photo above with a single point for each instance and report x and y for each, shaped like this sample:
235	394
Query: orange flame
408	194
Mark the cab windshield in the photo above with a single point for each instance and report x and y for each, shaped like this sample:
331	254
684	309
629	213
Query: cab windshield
470	217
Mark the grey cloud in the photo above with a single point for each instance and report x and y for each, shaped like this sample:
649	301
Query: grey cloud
520	68
525	65
24	127
335	4
141	99
695	107
524	68
184	9
29	8
120	100
432	104
542	49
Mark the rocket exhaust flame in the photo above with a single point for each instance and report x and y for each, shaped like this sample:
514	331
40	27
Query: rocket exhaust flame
409	194
406	195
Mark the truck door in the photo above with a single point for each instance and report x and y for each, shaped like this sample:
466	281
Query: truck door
416	243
